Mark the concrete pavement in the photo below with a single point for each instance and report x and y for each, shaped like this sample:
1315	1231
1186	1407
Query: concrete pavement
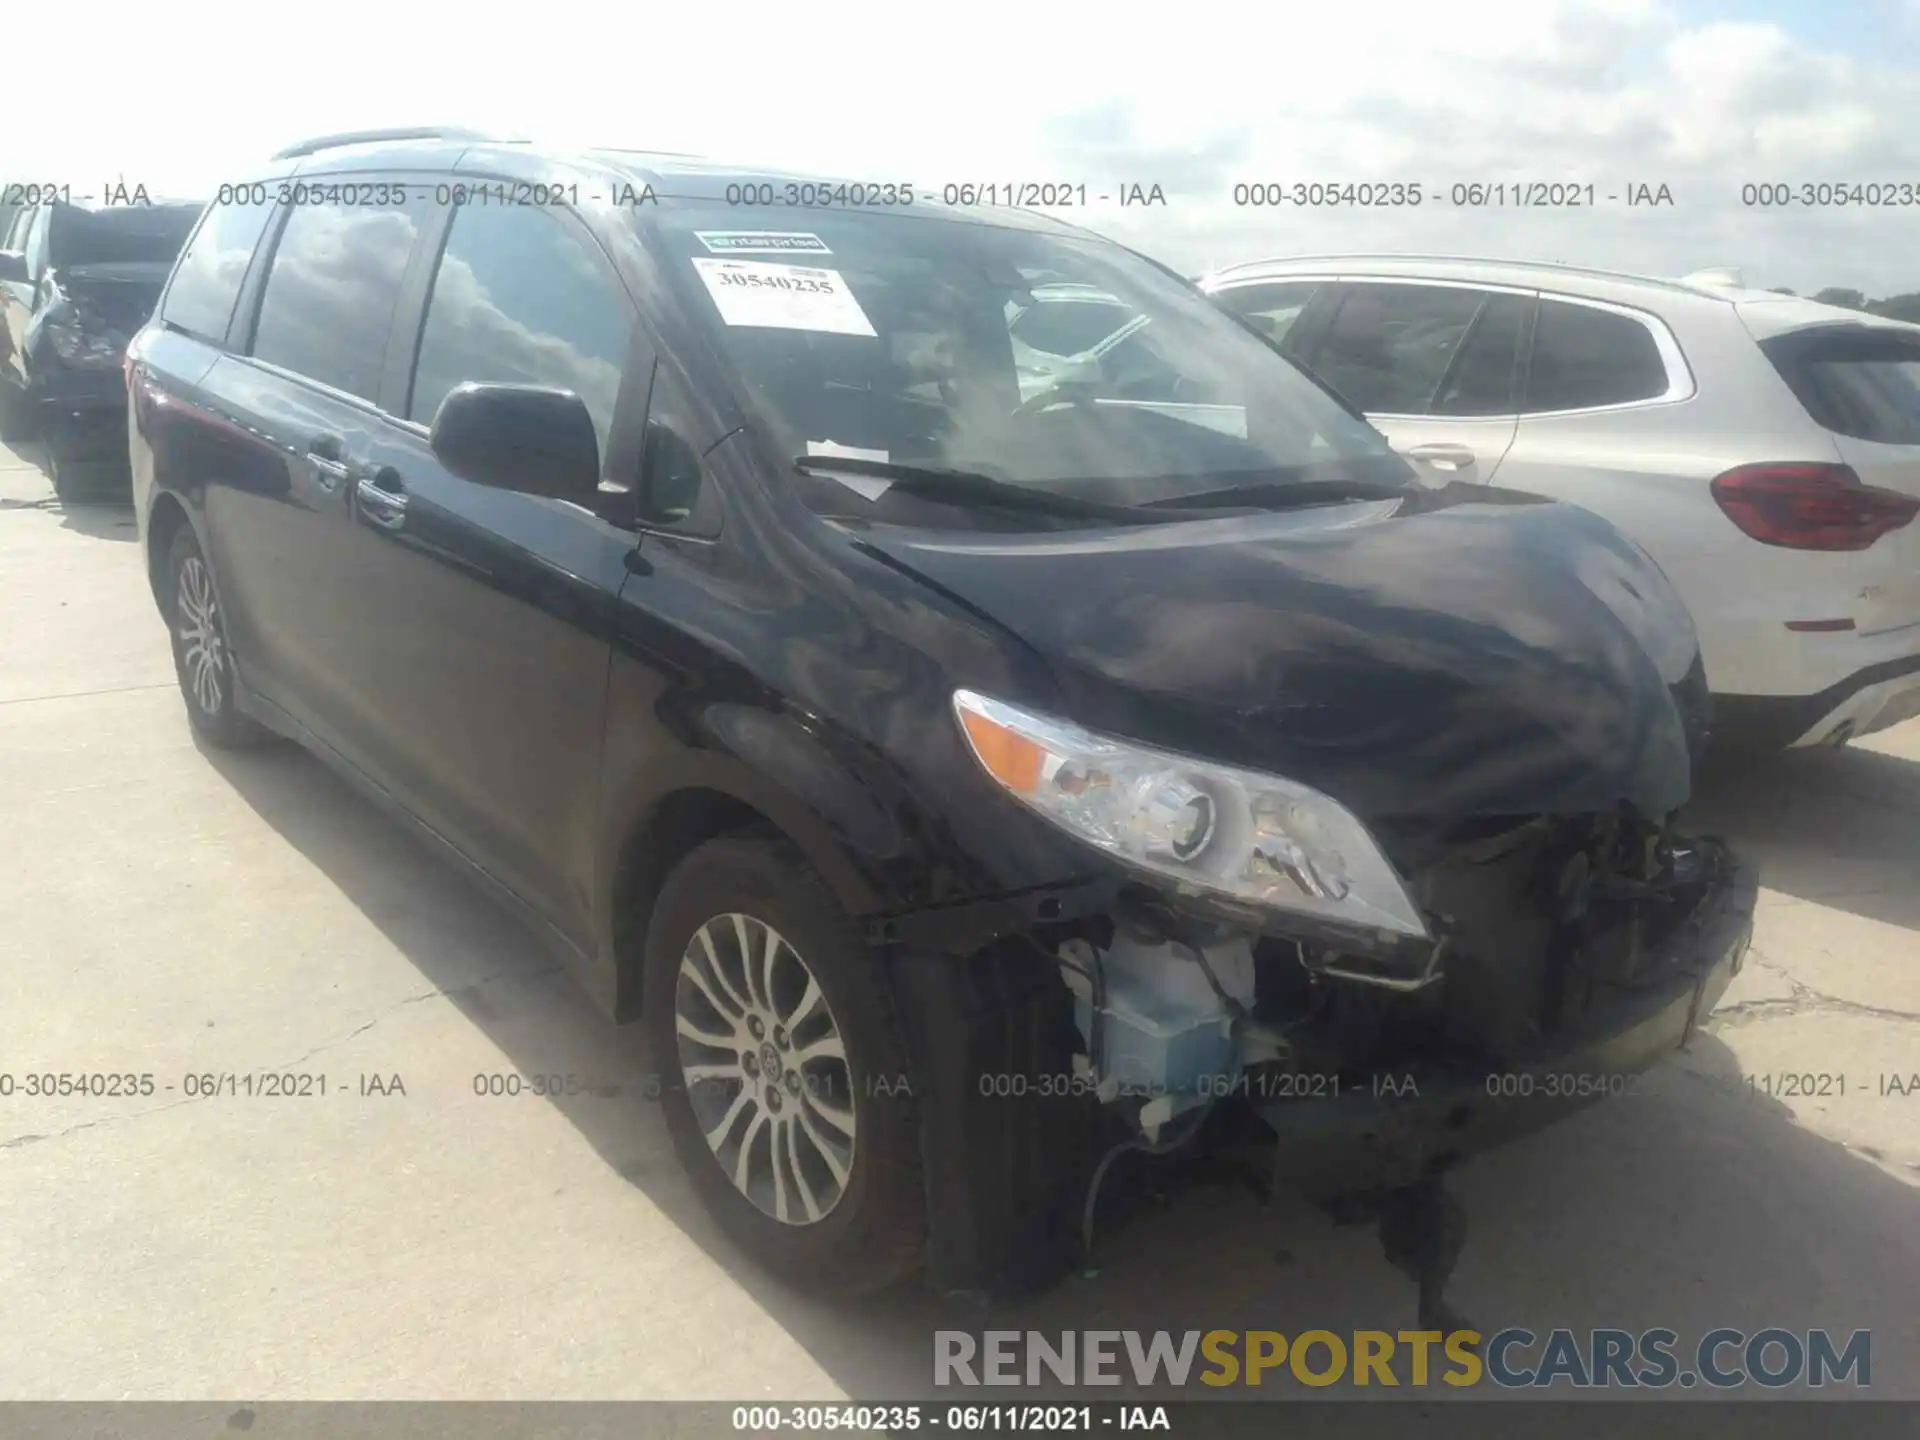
172	912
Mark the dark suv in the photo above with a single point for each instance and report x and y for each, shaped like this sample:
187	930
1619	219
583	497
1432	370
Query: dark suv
960	786
76	281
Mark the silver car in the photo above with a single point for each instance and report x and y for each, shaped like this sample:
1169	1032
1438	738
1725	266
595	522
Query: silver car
1764	449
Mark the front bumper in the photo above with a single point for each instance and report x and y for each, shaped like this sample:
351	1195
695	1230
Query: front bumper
1416	1122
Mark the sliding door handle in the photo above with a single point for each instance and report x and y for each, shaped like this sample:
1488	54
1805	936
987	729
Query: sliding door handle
380	500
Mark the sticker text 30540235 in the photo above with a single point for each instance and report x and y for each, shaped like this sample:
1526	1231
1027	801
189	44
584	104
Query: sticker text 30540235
782	297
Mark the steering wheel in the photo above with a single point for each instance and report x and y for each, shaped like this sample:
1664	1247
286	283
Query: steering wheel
1066	392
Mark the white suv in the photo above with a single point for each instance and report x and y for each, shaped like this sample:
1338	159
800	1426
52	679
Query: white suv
1764	449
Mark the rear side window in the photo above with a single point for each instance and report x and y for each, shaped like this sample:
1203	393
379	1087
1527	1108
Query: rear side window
1583	358
1391	345
207	283
331	292
519	299
1854	381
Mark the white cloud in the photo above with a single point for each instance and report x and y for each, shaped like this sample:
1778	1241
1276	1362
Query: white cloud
1476	90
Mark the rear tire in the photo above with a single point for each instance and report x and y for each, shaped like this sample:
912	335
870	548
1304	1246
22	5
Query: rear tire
814	1167
80	482
202	658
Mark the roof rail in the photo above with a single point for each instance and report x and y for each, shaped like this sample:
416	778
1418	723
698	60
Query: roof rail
362	137
643	150
1691	284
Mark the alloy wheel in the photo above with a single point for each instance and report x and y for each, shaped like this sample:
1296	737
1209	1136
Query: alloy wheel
203	650
765	1066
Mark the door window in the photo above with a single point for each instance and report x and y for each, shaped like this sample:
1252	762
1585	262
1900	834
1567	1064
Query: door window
331	292
207	282
1390	345
1583	357
1481	380
520	299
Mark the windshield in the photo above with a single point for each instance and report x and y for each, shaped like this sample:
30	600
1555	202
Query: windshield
120	234
1037	358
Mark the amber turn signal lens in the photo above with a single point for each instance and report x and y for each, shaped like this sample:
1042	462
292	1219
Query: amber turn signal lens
1013	760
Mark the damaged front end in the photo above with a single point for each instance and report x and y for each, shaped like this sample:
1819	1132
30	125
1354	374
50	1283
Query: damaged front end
1548	934
1378	1001
1567	957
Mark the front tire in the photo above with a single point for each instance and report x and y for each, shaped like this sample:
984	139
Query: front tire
202	658
784	1072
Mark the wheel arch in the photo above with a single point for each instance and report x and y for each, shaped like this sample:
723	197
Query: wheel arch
164	521
666	827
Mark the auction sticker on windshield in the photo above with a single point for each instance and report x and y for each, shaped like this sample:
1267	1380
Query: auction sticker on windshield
783	297
761	242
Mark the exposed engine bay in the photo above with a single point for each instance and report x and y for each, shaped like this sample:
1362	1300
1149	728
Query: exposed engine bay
1534	920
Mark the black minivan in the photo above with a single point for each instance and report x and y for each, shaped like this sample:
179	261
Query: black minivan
964	778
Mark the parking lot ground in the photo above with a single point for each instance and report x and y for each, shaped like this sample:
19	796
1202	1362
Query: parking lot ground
178	913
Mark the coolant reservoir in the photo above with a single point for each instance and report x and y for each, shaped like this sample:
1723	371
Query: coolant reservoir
1164	1028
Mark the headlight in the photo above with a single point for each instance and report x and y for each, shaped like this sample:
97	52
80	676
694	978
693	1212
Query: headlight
1250	836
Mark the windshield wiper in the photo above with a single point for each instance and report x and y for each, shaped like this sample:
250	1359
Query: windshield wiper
1284	495
970	487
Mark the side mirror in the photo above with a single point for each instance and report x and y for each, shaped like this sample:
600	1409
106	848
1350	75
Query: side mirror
669	477
525	438
13	266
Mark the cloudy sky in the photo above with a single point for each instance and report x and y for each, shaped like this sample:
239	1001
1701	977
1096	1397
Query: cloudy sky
1703	96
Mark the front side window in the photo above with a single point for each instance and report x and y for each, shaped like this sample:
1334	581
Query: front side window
904	337
1583	358
518	299
207	283
331	292
1390	345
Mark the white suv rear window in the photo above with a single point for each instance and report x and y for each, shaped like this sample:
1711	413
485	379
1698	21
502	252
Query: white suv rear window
1855	380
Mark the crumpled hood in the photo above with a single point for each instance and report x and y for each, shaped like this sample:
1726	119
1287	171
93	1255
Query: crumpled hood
1457	653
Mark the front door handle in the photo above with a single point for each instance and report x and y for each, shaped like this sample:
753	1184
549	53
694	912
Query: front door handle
381	500
331	472
1443	456
325	455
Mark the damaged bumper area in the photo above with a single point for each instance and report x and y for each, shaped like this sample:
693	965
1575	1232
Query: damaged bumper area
1566	959
83	414
1404	1124
1567	956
